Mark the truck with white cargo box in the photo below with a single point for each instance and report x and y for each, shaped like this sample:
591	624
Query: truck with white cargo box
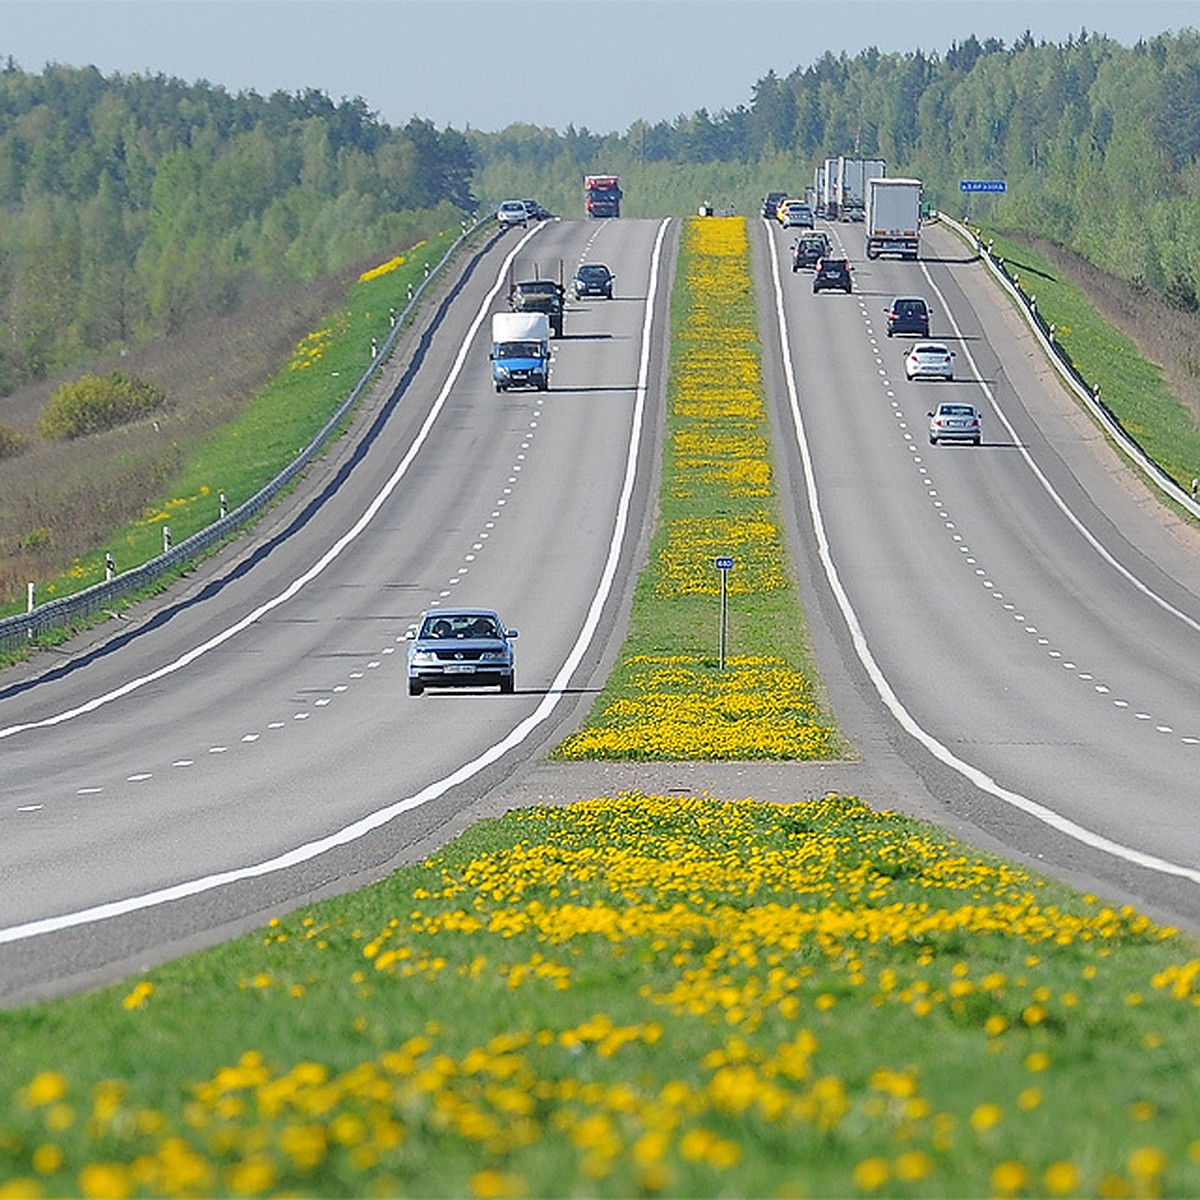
893	217
521	350
853	174
829	199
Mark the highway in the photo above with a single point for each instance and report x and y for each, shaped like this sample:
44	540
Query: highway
1007	633
1011	628
250	740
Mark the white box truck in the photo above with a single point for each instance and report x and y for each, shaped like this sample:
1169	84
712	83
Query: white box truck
520	350
852	185
829	200
893	217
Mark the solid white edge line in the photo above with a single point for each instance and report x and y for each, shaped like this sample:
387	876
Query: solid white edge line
518	734
1047	486
974	775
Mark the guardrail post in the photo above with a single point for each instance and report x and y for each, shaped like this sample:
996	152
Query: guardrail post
224	507
110	567
30	596
166	538
374	349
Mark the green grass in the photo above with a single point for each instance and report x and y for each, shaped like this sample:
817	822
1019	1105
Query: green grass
637	996
1131	387
668	697
247	453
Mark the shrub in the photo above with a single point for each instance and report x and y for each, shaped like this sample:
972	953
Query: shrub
12	441
94	403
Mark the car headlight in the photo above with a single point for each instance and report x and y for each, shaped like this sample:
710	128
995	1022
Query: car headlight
502	372
424	658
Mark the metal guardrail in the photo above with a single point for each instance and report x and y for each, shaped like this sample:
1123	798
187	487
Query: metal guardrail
20	630
1087	390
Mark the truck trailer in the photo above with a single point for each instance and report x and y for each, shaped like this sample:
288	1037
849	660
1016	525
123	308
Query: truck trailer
602	195
829	199
853	174
893	217
520	350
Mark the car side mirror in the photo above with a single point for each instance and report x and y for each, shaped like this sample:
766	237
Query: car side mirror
511	633
410	634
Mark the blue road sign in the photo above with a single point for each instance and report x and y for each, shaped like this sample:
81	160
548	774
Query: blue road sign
724	564
983	185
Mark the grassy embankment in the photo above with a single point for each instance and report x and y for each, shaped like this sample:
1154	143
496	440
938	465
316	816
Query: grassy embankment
640	996
247	452
1133	388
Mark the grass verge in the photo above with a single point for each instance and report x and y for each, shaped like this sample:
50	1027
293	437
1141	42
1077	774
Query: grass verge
1134	389
669	697
637	995
248	451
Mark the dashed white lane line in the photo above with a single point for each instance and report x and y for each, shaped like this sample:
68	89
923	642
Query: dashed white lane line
891	701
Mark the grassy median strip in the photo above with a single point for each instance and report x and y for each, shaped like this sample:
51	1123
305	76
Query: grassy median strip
637	995
641	995
668	697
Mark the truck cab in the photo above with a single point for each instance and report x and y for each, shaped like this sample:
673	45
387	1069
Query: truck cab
540	296
520	354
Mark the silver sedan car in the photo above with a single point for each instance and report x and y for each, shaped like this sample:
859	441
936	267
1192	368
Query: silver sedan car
460	647
953	421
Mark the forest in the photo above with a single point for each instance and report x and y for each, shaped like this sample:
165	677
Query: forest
1098	143
131	205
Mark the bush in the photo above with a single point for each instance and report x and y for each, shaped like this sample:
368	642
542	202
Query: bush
12	441
94	403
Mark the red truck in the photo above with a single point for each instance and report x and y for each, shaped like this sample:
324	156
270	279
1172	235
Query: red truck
602	195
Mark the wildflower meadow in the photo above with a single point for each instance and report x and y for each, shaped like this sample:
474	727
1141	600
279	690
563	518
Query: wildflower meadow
669	697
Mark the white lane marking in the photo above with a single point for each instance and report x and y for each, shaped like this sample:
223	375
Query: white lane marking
1059	502
364	826
979	778
324	561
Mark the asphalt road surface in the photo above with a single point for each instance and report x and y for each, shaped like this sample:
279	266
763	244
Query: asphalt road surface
251	741
1012	629
1007	633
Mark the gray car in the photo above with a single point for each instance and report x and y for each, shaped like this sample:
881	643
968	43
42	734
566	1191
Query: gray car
460	647
953	421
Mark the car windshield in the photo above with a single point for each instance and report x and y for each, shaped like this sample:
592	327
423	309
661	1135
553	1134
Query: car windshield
519	350
910	308
459	625
956	410
592	272
538	287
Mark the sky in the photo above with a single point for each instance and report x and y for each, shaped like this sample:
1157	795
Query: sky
486	64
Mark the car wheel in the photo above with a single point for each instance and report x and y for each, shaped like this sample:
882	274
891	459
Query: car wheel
932	440
976	441
507	686
415	687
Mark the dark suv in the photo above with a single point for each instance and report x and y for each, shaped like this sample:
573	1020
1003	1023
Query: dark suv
771	203
908	314
832	274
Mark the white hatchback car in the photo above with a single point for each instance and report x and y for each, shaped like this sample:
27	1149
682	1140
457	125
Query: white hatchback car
513	212
929	360
953	421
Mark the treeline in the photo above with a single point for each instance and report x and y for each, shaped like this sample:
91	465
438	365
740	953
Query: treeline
131	205
1098	143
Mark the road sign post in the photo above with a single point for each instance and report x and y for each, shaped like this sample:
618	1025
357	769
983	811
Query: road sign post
724	566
